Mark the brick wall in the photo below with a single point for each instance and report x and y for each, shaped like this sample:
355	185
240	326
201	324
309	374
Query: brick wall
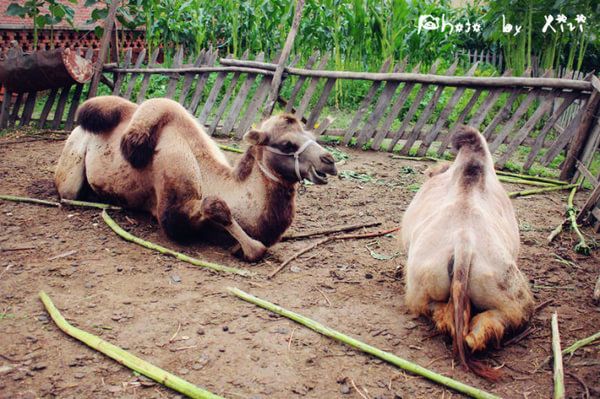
82	14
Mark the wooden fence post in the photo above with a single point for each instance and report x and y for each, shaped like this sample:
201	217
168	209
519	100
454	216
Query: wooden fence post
287	48
583	132
104	44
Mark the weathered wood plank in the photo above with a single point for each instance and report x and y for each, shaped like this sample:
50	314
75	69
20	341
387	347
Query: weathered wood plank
189	78
15	112
587	174
238	102
29	107
525	130
425	115
47	108
121	76
225	100
459	121
364	105
312	86
290	103
316	111
60	107
138	63
201	82
539	140
413	109
590	204
144	86
257	100
370	126
563	139
508	126
172	85
487	104
76	97
444	115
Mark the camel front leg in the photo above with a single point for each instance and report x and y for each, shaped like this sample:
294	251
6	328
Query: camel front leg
217	211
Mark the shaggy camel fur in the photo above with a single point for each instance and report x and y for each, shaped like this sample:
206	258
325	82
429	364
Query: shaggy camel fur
462	240
156	157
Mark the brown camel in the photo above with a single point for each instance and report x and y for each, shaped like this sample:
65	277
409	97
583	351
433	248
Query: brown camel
156	157
462	239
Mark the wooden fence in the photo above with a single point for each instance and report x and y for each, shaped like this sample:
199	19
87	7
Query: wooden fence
403	111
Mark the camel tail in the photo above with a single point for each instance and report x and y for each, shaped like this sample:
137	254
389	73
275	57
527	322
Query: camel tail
101	115
459	297
142	134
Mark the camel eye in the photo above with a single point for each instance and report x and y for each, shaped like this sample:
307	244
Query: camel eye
288	146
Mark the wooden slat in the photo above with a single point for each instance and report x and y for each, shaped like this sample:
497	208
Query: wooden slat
370	126
29	107
144	86
459	121
323	126
189	78
364	105
539	140
223	105
508	127
426	114
444	115
200	83
212	96
587	174
138	63
413	108
525	131
238	102
257	101
316	111
290	103
487	105
76	97
178	62
60	107
563	139
121	76
312	86
47	108
15	112
590	205
5	109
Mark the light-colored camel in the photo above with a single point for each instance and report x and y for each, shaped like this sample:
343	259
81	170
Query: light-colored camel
462	240
156	157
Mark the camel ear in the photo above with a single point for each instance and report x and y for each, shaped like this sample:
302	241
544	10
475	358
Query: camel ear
256	137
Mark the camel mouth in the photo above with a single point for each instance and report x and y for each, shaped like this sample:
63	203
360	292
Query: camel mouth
316	176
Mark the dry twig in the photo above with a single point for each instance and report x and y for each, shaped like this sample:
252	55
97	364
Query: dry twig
320	232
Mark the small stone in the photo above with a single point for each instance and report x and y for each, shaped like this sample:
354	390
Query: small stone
345	389
225	328
119	269
38	366
281	330
295	269
79	375
200	331
184	371
368	276
221	350
176	278
43	318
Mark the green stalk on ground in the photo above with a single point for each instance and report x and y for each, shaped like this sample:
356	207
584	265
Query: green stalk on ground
581	343
387	356
166	251
125	358
525	193
15	198
581	247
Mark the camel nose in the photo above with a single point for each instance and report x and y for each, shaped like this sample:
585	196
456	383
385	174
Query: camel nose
327	159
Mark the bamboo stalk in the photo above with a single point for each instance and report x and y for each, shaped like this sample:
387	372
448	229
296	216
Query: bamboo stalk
525	193
581	247
559	375
230	149
415	158
166	251
90	204
387	356
581	343
28	200
508	179
125	358
529	177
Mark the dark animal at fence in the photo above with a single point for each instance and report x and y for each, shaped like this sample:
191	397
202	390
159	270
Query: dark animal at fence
156	157
462	240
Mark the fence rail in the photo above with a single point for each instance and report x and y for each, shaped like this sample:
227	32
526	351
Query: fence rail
527	120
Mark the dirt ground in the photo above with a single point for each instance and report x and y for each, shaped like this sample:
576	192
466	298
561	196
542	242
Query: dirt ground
180	317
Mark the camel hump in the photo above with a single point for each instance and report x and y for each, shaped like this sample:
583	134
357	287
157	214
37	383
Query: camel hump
100	115
142	134
472	165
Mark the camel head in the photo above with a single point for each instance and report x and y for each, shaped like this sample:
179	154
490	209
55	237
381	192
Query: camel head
290	152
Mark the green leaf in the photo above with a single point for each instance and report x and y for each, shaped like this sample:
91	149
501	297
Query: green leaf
378	256
57	10
99	13
88	3
15	10
99	31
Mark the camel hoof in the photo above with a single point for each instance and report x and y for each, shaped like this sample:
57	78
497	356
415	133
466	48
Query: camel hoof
255	253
